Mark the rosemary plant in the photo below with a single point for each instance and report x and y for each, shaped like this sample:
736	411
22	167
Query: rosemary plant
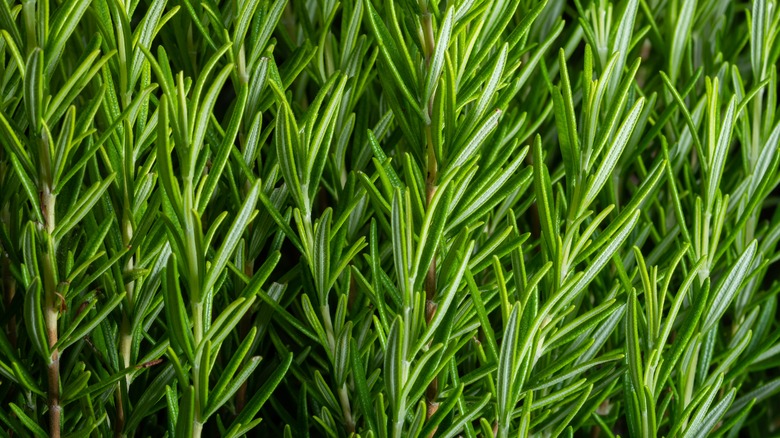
381	218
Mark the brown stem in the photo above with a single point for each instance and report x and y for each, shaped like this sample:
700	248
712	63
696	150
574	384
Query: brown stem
428	38
432	391
52	300
430	293
51	308
53	369
55	410
125	344
429	46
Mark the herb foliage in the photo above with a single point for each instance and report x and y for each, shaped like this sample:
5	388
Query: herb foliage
379	218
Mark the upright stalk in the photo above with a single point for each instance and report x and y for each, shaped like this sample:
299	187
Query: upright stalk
52	299
429	46
51	302
126	326
197	325
197	297
125	329
432	392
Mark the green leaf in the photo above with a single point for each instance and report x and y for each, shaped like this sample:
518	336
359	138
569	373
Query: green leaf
30	189
728	287
204	32
64	144
386	168
442	412
719	154
364	398
446	298
431	233
466	417
543	191
85	329
321	133
614	242
225	251
613	153
285	133
217	399
226	322
241	422
62	27
680	37
761	393
223	151
144	34
390	55
202	106
341	355
27	421
33	96
488	194
622	38
266	28
702	425
566	123
321	263
393	374
176	317
703	400
81	207
684	335
75	84
401	249
437	60
633	356
33	319
508	361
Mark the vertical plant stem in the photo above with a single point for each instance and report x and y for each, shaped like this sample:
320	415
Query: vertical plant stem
126	326
197	323
126	336
432	391
124	352
429	46
51	309
346	409
125	329
197	429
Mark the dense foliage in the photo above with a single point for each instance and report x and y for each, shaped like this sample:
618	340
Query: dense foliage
413	218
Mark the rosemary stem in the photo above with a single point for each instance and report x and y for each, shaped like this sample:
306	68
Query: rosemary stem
51	311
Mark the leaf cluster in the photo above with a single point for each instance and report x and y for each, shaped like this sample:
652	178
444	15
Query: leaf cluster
379	218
